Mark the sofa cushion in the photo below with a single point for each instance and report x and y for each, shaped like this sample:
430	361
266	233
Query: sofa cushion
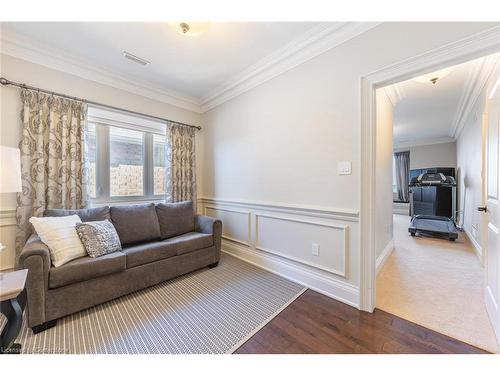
135	223
86	268
148	252
86	214
175	218
188	242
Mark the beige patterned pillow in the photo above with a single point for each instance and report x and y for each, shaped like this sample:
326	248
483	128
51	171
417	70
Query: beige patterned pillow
98	237
59	234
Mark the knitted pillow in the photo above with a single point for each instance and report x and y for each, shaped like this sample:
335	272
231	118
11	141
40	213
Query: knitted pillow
98	237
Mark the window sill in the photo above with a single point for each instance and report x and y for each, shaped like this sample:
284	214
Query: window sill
120	201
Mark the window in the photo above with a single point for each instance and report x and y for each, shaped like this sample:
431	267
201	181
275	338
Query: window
126	162
126	155
394	178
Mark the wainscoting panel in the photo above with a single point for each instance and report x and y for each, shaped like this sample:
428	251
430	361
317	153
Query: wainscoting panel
280	238
293	239
237	225
7	238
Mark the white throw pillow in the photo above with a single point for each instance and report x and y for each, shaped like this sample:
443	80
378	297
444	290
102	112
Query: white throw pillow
59	234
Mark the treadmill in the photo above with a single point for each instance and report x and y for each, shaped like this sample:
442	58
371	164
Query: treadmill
429	184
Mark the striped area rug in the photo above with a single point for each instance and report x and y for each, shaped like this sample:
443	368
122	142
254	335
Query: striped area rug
208	311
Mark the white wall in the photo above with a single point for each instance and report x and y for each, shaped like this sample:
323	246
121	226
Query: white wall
469	166
281	141
434	155
383	182
40	76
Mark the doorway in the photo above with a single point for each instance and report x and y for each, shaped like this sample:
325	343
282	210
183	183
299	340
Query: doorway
435	249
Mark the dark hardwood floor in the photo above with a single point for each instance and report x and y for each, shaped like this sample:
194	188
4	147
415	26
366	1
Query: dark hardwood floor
314	323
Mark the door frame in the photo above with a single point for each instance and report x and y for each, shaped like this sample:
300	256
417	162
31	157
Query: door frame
469	48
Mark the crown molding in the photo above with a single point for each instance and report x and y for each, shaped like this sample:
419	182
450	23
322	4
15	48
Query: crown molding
423	142
15	45
472	47
316	41
473	88
394	93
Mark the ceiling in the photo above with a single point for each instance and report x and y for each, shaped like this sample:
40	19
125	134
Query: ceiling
426	113
196	73
194	66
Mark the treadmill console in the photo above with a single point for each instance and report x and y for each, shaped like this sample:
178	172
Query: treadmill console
432	179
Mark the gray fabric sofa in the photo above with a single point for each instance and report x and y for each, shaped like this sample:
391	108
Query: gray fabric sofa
159	242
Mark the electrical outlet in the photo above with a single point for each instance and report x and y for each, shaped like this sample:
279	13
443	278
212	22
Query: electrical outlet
315	249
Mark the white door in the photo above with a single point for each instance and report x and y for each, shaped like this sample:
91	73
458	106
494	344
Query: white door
492	292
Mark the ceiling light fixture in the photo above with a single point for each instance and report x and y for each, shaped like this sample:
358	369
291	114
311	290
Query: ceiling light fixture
190	28
135	58
433	77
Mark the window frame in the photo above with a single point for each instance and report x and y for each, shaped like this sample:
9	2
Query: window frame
103	160
394	176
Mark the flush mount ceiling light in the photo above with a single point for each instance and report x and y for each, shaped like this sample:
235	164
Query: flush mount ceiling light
190	28
433	77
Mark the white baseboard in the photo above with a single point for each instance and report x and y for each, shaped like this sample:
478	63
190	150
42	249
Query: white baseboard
382	258
400	208
316	280
399	211
477	247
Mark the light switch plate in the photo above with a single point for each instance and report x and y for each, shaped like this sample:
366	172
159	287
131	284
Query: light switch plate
344	167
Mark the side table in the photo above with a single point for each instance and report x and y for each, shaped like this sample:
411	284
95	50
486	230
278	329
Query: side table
12	298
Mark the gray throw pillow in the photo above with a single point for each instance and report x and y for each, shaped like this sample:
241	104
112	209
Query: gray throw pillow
98	237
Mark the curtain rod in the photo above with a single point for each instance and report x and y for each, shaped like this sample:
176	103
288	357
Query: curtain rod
6	82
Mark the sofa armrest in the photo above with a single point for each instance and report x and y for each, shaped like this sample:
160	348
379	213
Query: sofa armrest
35	257
209	225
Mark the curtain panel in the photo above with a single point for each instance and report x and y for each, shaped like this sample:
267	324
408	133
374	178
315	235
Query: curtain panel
180	164
54	169
402	161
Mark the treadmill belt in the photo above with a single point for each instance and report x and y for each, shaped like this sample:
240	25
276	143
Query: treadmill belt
437	226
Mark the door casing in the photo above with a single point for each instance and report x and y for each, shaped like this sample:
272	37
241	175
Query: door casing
472	47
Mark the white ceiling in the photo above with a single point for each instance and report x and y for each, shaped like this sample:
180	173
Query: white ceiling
196	73
194	66
425	113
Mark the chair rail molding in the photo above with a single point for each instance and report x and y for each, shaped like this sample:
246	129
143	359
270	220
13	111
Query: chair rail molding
279	237
478	45
348	214
8	217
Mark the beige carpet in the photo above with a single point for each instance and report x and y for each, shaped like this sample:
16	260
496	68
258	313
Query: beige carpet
437	284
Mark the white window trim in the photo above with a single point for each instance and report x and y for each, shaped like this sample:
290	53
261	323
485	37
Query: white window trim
103	119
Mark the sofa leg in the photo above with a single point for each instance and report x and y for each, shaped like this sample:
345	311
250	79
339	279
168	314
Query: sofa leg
42	327
213	265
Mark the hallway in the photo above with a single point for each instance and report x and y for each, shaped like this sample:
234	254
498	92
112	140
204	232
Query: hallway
437	284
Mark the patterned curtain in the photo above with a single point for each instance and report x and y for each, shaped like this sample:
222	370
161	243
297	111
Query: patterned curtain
53	158
181	164
402	161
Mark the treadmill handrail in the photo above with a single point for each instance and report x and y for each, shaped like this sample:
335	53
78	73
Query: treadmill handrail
432	183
